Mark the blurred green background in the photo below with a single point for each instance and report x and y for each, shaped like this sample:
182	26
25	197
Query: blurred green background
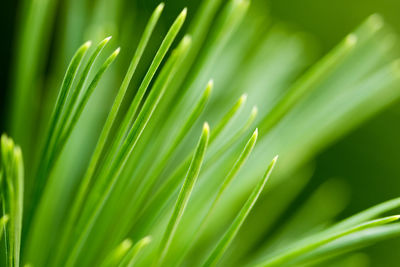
367	159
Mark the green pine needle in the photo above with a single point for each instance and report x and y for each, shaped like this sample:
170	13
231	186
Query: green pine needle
184	194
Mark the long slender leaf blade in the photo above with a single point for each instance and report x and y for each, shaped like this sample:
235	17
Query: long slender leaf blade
230	234
131	257
184	195
83	188
117	255
306	247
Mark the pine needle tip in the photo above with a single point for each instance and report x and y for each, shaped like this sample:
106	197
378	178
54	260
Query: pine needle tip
206	128
255	132
376	21
160	7
116	52
87	44
351	39
243	99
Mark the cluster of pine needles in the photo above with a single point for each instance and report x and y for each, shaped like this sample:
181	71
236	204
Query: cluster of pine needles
165	169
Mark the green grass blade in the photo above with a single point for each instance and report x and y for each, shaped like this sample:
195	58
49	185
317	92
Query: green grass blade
235	169
127	148
130	116
62	96
228	117
234	139
162	51
12	193
116	256
83	188
3	222
19	202
184	195
228	179
131	257
306	247
172	182
368	214
70	125
352	242
230	234
149	180
71	102
82	103
308	82
119	98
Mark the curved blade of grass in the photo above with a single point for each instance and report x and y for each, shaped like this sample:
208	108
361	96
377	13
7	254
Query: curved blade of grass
306	247
19	202
118	100
230	234
234	139
83	101
149	180
172	182
3	222
102	181
154	173
71	102
184	195
228	117
352	242
132	255
308	82
130	116
228	179
366	215
12	197
61	98
116	256
234	171
164	47
128	146
70	126
223	28
82	191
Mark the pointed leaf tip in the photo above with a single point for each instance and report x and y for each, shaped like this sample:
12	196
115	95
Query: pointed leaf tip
160	7
254	111
146	240
375	21
187	39
116	52
183	13
87	44
255	133
206	128
209	88
351	39
127	243
243	98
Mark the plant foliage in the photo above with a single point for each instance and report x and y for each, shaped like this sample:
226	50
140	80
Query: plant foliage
115	177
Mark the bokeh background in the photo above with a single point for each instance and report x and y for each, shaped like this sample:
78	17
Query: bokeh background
367	159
